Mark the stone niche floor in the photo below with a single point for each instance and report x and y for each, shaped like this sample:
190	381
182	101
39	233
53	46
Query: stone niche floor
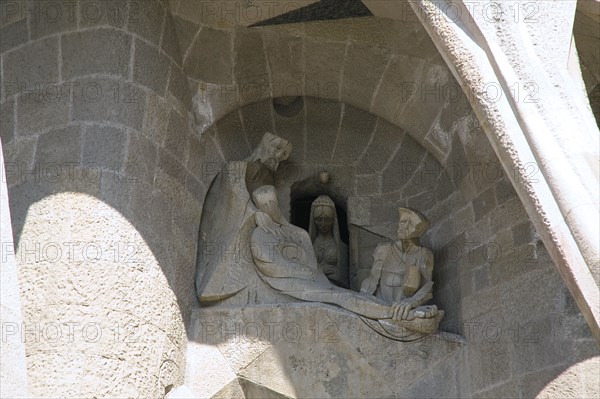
304	350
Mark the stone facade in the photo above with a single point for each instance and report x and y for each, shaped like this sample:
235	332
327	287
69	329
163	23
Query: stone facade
116	115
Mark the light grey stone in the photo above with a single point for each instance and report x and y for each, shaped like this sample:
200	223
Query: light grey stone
59	147
185	31
229	128
32	65
53	17
156	119
105	51
146	19
404	164
141	161
255	126
386	139
13	35
7	121
178	134
104	147
178	87
210	57
398	82
368	184
171	166
286	63
324	117
484	203
355	133
250	68
150	67
102	13
358	87
323	68
170	42
108	100
37	112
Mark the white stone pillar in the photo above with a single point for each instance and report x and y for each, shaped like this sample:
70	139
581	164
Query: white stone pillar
13	369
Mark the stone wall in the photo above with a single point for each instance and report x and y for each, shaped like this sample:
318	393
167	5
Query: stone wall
115	117
95	127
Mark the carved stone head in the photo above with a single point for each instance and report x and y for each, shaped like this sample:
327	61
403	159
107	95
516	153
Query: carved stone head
412	224
272	150
323	214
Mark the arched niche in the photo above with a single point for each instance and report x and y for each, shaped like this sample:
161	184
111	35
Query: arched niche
374	167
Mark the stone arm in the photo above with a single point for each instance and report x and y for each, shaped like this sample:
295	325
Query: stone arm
370	284
425	293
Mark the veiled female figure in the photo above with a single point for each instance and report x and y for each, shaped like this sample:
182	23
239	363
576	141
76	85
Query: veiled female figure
324	231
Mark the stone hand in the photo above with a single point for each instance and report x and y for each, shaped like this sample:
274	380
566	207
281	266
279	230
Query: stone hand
368	286
401	309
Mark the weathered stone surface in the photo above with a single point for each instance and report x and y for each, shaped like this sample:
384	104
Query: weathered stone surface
104	147
178	87
7	121
357	87
383	145
177	138
285	58
146	19
169	41
323	68
32	65
150	67
185	31
104	12
13	35
322	136
405	162
397	84
484	203
210	59
96	51
303	350
229	129
59	147
37	112
103	99
141	159
50	18
250	69
355	133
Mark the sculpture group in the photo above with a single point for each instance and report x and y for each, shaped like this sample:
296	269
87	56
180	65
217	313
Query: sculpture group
250	254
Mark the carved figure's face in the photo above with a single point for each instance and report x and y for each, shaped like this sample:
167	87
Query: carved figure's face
406	226
324	217
266	201
276	151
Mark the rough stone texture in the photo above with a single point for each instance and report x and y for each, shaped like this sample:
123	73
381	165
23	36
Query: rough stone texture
106	99
95	51
363	69
103	12
37	112
13	35
209	59
306	350
496	282
146	19
151	67
32	65
104	147
13	373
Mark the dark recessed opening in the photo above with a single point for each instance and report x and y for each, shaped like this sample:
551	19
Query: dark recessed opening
288	107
